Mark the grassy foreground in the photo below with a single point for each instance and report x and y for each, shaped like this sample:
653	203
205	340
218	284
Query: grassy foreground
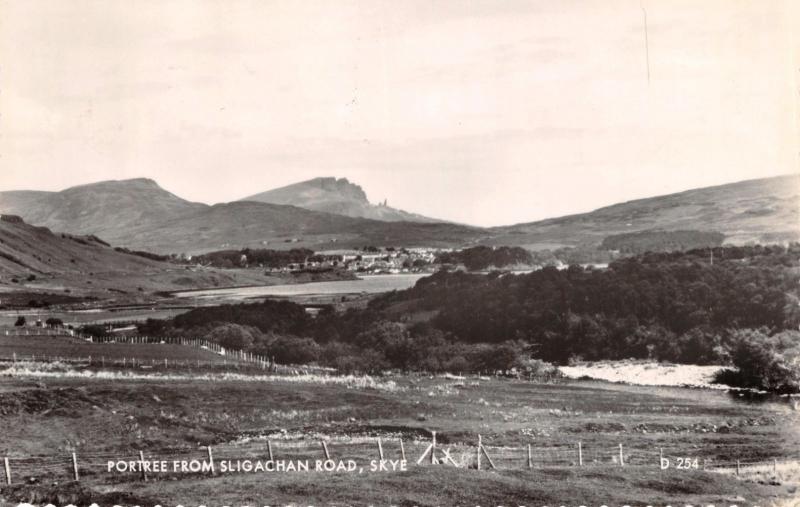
100	420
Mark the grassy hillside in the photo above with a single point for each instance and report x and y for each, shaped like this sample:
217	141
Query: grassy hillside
36	259
139	214
106	209
763	210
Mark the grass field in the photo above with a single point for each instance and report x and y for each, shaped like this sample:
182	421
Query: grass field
100	419
75	348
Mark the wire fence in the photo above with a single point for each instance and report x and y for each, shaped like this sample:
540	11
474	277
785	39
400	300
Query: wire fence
221	357
332	453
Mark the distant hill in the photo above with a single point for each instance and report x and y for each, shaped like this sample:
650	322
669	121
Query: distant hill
141	215
257	224
106	209
764	210
338	196
37	259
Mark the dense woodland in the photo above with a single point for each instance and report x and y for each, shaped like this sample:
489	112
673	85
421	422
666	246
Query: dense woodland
679	307
256	257
483	257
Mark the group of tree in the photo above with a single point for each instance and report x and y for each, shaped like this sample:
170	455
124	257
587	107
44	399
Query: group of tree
482	257
677	307
257	257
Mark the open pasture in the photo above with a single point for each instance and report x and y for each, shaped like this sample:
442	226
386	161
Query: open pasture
100	419
78	349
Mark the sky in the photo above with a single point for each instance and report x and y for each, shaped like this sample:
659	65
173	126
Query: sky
477	111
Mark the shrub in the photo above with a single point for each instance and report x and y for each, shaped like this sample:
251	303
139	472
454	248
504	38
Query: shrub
770	363
20	321
54	322
294	350
234	336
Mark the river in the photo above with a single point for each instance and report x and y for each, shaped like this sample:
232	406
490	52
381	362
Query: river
366	284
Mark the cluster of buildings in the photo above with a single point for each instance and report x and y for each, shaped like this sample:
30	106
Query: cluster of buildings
373	260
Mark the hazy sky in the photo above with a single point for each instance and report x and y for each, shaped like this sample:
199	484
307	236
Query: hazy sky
485	112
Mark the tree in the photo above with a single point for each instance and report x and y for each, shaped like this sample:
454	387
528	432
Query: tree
766	362
234	336
54	322
20	321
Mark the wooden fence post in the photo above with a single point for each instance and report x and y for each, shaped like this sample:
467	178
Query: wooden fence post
269	449
402	450
737	467
325	450
75	467
7	466
479	451
621	460
211	460
380	449
141	463
433	449
580	454
530	458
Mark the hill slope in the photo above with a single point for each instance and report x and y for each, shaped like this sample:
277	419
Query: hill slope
41	260
105	209
762	210
256	224
141	215
338	196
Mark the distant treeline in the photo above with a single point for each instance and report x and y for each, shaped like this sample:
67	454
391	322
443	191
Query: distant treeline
146	255
483	257
666	306
661	241
257	256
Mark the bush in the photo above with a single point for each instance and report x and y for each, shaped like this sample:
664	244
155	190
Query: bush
20	321
94	330
53	322
769	363
234	336
293	350
536	369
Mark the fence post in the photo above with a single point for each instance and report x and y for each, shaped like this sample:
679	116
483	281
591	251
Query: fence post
211	459
580	454
380	449
737	467
775	466
402	450
621	460
480	444
325	450
433	449
7	466
269	449
530	458
75	467
141	463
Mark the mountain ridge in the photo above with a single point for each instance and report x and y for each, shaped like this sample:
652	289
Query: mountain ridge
335	195
139	214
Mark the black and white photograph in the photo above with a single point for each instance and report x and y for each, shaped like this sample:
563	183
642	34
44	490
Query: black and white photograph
407	253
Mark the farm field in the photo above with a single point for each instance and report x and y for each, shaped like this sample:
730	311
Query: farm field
75	348
51	417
